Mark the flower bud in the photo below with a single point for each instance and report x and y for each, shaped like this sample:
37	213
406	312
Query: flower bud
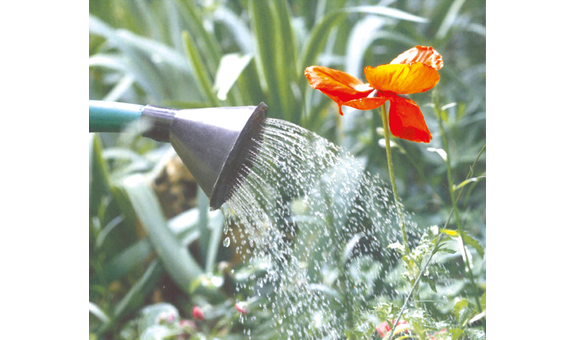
197	313
242	308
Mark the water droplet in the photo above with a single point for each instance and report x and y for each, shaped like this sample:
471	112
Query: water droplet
227	242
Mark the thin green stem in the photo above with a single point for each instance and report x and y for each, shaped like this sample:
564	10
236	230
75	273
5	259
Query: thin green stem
433	252
438	242
455	208
392	177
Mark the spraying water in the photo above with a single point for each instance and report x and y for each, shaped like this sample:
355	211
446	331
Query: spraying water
317	227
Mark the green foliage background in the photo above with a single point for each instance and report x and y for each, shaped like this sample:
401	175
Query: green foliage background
174	53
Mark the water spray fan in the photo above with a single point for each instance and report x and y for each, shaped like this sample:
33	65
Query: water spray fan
215	144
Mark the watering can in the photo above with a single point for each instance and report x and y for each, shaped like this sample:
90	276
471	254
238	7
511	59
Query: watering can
215	144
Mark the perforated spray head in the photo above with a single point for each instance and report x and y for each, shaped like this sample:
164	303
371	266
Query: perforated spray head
215	144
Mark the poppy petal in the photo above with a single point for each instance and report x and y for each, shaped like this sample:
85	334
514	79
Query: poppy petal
406	120
339	86
402	78
422	54
366	103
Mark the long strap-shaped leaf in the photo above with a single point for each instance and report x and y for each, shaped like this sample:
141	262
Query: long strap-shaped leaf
174	256
275	56
313	46
205	83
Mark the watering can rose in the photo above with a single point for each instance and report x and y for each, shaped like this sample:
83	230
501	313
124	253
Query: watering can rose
413	71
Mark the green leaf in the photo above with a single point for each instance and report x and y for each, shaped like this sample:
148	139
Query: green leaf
207	283
174	256
317	39
138	58
273	58
349	247
288	49
439	151
127	41
216	225
474	243
456	333
397	246
230	69
318	287
460	310
449	19
386	11
119	266
237	27
314	45
430	282
99	313
200	70
476	318
156	332
149	315
138	292
99	178
206	42
467	181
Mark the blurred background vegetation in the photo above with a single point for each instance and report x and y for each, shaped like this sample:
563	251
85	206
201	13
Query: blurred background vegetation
152	237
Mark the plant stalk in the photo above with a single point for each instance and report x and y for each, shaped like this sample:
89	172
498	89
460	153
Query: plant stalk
392	177
433	252
454	204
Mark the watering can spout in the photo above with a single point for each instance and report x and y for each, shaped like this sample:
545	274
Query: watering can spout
217	145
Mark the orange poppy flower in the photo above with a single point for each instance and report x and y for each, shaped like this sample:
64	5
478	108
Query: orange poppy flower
413	71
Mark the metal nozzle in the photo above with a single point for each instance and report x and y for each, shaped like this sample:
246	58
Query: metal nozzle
215	144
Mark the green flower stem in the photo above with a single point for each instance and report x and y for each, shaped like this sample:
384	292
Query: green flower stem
392	177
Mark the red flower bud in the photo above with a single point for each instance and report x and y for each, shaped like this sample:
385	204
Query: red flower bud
197	313
242	308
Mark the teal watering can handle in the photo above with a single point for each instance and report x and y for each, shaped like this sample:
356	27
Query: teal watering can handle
112	116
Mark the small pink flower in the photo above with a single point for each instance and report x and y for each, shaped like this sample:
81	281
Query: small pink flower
384	328
197	313
242	308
